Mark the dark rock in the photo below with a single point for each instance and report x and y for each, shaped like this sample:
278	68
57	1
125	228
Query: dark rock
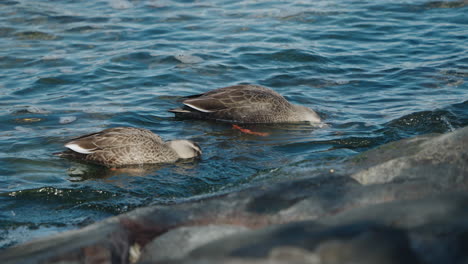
180	241
354	243
279	256
433	229
426	156
97	243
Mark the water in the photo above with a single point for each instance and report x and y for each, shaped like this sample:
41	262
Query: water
375	71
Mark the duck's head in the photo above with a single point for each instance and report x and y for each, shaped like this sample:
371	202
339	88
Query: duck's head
307	114
186	149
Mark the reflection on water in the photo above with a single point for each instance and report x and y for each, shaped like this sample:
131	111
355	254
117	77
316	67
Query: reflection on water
82	171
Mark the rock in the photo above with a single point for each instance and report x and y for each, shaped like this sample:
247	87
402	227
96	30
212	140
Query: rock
394	232
96	243
180	241
428	156
353	243
279	255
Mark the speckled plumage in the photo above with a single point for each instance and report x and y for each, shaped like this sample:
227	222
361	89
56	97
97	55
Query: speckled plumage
244	104
122	146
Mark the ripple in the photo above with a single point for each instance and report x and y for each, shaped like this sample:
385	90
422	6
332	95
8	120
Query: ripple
35	35
120	4
444	4
63	19
52	81
9	2
8	62
282	57
6	32
83	29
439	121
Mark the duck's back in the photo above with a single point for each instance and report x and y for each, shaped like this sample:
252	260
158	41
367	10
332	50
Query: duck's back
121	146
239	103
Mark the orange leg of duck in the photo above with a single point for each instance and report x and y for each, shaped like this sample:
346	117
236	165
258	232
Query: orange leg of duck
248	131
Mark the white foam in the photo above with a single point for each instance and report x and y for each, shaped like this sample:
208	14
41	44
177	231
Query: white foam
67	119
53	57
120	4
188	59
37	110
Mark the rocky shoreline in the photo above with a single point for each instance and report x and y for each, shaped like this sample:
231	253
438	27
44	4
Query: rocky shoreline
403	202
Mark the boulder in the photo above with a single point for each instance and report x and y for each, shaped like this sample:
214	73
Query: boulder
177	243
97	243
433	157
428	230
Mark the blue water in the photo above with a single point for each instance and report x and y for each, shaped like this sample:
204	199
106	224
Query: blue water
376	71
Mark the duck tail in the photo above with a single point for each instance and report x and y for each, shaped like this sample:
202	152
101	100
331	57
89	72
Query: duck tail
59	154
178	110
67	154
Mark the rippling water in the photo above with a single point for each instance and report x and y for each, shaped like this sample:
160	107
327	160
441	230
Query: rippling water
376	71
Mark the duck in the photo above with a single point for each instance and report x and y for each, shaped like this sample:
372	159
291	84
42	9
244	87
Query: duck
244	104
123	146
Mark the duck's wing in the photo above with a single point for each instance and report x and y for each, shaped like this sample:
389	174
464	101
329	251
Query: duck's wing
238	96
111	138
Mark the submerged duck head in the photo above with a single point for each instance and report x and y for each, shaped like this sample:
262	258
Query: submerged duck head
186	149
306	114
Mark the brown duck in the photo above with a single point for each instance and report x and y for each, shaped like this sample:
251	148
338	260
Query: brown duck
121	146
244	104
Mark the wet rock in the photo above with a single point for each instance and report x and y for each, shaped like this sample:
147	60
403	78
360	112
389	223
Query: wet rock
353	243
178	242
429	229
429	156
97	243
436	226
35	35
279	255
